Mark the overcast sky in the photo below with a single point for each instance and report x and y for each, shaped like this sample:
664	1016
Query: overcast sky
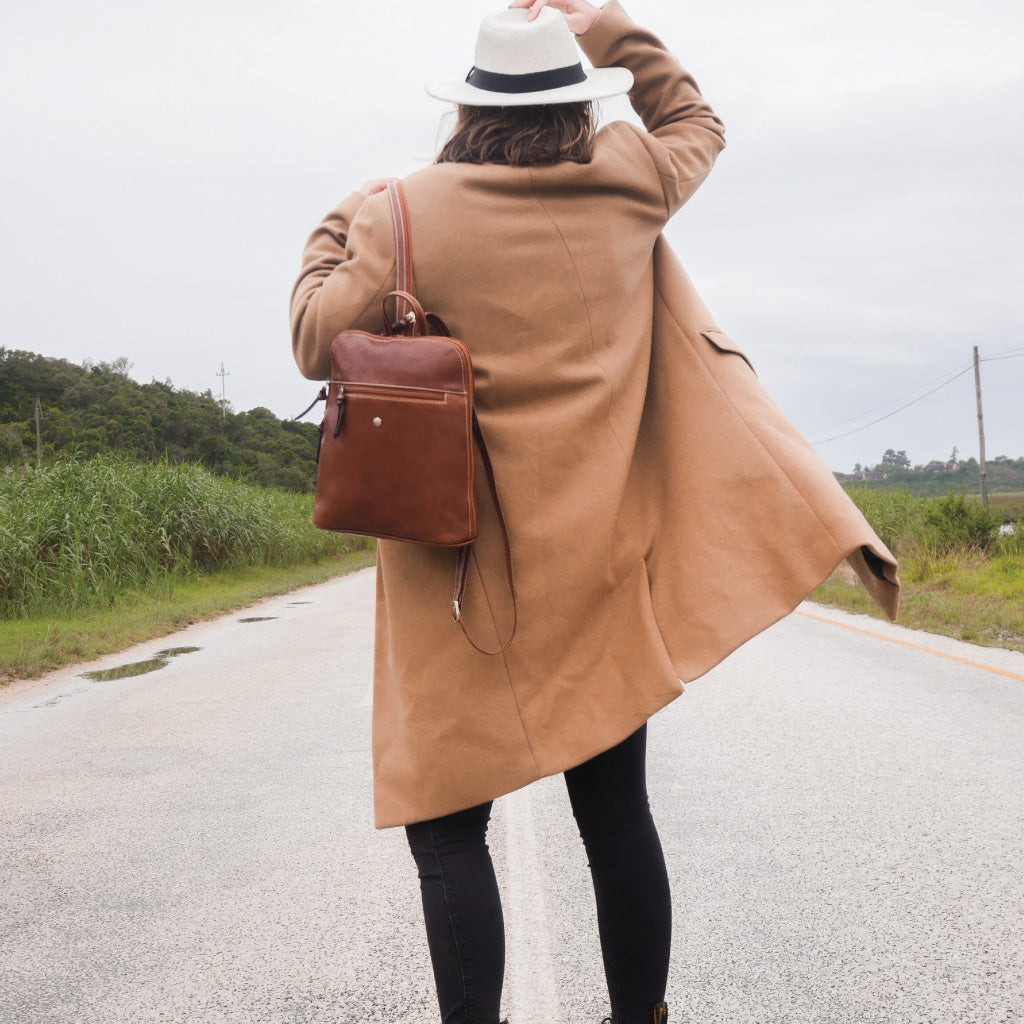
163	164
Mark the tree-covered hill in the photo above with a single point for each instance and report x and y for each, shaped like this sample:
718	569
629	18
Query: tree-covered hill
98	408
895	472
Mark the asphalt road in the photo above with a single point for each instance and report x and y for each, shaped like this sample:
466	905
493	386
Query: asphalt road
843	815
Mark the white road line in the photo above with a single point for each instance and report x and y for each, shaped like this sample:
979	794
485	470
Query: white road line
533	990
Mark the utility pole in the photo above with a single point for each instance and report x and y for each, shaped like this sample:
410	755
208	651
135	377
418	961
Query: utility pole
981	430
222	373
39	442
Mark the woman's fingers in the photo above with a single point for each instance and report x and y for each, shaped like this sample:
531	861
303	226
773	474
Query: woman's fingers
579	14
536	6
375	185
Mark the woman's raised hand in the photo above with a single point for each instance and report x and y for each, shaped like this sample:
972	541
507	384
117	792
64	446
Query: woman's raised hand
579	15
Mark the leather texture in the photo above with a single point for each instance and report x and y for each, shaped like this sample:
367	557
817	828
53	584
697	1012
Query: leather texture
395	453
396	443
396	458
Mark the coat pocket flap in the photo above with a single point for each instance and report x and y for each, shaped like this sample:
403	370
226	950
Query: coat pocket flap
720	340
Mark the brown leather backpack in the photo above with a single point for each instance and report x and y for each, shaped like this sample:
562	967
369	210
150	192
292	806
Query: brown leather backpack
395	453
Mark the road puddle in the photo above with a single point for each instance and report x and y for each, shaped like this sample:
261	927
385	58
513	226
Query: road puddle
259	618
138	668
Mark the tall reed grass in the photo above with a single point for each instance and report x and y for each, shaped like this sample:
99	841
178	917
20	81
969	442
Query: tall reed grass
932	526
950	545
84	532
963	576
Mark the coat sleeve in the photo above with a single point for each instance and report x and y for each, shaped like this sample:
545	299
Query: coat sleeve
684	136
347	269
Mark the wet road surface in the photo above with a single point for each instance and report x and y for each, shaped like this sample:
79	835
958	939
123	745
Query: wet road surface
841	803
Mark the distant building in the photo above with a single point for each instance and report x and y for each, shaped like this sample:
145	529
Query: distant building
866	474
941	467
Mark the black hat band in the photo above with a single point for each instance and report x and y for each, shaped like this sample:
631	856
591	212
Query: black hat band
536	81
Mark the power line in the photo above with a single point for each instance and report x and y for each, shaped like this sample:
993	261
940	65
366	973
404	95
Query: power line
995	359
1014	353
856	430
885	404
888	402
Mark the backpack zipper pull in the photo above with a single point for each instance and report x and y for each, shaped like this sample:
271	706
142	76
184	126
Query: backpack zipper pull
341	408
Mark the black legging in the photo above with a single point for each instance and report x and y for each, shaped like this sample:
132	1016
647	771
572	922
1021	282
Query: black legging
465	927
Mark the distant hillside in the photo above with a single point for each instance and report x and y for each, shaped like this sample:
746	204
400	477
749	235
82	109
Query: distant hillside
99	408
1004	474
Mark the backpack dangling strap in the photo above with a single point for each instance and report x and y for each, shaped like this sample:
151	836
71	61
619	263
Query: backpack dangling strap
462	561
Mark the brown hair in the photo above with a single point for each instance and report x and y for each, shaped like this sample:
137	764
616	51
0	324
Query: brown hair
522	136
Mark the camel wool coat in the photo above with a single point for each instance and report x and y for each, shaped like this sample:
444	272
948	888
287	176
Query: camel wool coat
661	508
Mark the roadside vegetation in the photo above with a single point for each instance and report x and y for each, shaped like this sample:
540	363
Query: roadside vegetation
962	566
937	478
99	553
96	408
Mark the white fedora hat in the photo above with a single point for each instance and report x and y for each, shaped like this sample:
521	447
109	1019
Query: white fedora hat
521	63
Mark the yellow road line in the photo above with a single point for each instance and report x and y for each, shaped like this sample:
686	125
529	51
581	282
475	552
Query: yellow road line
913	647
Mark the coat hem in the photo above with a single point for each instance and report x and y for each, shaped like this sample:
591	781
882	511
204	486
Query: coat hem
786	606
638	720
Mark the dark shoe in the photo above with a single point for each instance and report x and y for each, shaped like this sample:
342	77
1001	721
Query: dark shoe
658	1016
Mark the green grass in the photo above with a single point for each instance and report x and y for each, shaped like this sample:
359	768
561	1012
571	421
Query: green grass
78	534
1009	506
961	577
98	554
966	595
31	646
